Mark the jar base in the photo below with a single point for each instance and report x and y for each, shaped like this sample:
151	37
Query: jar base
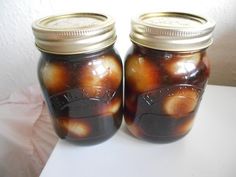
159	139
89	141
164	140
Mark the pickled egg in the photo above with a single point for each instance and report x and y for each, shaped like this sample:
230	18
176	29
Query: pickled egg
114	106
182	64
76	127
128	118
55	77
131	102
184	127
135	130
104	72
141	74
206	62
180	102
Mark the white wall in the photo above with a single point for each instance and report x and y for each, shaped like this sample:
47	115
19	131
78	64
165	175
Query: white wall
19	57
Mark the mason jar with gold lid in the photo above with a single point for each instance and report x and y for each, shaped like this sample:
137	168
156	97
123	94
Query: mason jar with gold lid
80	74
166	71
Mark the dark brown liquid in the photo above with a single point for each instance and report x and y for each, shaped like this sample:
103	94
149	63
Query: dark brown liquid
83	94
162	92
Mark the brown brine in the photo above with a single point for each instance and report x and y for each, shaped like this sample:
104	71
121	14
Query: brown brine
164	77
80	74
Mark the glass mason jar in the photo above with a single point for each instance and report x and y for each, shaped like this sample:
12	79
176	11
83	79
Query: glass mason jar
80	74
166	71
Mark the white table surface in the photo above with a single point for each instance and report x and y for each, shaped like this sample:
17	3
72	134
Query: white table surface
209	150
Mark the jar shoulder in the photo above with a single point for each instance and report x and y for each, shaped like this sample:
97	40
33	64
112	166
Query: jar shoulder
167	67
109	51
93	71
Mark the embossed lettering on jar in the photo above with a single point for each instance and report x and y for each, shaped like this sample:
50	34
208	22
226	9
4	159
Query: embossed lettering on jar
80	75
166	71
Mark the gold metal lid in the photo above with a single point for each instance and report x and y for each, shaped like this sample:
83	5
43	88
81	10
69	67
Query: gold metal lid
172	31
74	33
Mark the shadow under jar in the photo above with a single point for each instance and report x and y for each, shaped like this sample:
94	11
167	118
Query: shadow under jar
166	71
80	74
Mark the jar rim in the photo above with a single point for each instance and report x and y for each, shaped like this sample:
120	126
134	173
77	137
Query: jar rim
173	31
74	33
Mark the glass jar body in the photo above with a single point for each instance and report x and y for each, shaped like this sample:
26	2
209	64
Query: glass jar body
83	93
163	90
